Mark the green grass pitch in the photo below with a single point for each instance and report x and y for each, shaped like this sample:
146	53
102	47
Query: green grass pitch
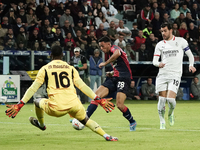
19	134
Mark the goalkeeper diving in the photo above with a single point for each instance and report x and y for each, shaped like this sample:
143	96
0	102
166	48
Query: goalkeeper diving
60	78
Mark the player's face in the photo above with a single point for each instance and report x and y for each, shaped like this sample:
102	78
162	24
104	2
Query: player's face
166	33
105	46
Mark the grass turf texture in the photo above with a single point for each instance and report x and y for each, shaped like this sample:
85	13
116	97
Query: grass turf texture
19	134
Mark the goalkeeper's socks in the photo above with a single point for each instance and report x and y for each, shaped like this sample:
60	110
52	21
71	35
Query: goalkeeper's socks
127	115
91	108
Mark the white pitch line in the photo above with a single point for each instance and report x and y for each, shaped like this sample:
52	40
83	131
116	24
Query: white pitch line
187	130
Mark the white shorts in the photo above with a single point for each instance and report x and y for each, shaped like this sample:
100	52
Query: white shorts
164	83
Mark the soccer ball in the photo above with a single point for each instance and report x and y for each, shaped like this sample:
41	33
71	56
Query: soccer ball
77	125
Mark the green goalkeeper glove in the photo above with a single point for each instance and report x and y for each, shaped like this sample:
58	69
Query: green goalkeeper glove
105	103
14	109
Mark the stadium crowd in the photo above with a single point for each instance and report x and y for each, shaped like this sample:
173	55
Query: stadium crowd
39	24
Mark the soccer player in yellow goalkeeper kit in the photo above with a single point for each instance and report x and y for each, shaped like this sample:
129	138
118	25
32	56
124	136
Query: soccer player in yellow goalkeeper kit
60	79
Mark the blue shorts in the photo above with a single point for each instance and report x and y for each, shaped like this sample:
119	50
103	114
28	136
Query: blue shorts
117	84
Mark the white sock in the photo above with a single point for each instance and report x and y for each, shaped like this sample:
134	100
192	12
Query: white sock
41	125
161	108
172	104
105	135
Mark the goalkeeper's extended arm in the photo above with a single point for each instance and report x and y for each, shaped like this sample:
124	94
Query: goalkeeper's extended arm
105	103
13	110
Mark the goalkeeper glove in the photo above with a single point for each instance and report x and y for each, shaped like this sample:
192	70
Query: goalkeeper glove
105	103
14	109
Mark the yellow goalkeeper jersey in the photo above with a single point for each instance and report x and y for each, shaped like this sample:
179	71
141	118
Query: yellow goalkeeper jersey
59	77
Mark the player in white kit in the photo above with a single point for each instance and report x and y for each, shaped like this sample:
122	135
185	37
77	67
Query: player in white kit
171	50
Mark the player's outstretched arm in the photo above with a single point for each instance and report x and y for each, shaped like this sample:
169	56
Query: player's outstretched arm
13	110
105	103
191	61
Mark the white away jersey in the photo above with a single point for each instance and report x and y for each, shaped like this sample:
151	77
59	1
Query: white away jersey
171	53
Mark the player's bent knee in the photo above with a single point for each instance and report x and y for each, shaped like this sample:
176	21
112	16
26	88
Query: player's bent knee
37	102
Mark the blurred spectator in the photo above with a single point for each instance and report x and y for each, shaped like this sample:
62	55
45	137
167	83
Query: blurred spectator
55	26
80	18
17	26
80	40
193	32
36	46
151	44
130	53
138	40
49	37
70	43
112	32
91	28
163	9
183	29
81	28
75	9
147	31
194	47
104	33
145	16
31	17
91	48
66	16
22	15
9	45
166	18
44	46
22	37
156	23
189	19
179	95
180	19
187	37
80	63
143	53
132	93
109	12
67	28
99	31
21	46
59	37
90	20
10	35
134	30
195	88
175	13
91	37
155	7
140	5
99	19
120	42
60	10
95	71
53	6
148	90
40	9
121	30
195	13
105	23
96	9
33	37
85	8
11	16
5	24
175	31
47	15
184	9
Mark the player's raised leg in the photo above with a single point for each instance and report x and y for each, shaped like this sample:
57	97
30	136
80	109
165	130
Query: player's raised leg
40	115
101	92
161	111
172	104
126	112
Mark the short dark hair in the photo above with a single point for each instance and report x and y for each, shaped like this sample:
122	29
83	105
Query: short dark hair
166	24
56	50
104	39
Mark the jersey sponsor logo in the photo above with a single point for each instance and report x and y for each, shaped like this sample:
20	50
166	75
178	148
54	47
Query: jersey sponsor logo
170	53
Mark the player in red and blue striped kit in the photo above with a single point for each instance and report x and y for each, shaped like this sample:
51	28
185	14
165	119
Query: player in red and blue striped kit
119	81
